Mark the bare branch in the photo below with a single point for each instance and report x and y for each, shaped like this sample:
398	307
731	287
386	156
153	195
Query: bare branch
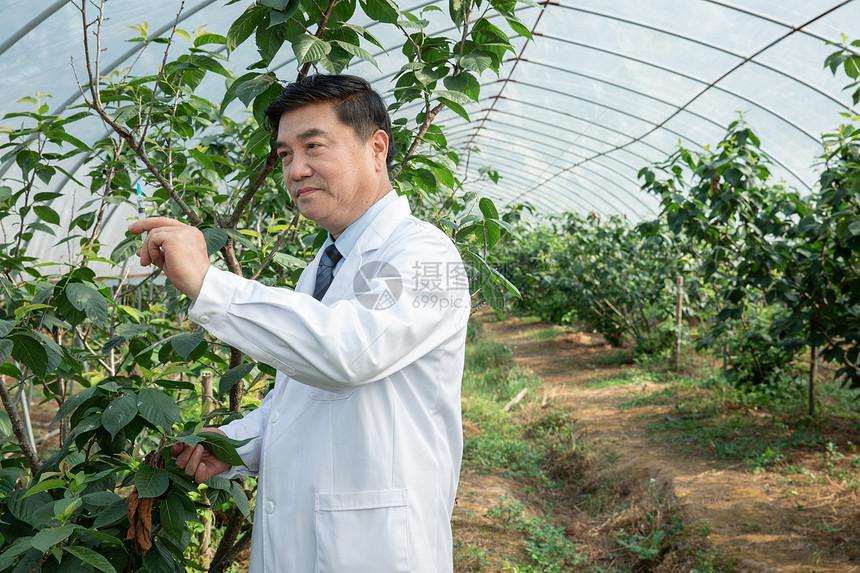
264	173
291	229
161	73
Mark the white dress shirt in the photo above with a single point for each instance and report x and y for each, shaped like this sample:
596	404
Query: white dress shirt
358	445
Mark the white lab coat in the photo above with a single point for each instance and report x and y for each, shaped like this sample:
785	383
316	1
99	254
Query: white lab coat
358	445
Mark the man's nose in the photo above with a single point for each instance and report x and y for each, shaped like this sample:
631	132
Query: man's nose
299	168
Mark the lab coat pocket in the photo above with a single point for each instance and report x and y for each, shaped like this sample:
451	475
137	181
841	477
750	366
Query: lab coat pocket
362	532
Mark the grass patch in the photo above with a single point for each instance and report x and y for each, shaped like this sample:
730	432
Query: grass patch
548	333
565	483
759	427
628	378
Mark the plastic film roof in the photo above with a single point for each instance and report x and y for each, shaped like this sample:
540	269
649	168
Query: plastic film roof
604	87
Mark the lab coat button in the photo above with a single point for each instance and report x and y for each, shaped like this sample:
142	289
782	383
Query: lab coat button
275	417
205	318
270	507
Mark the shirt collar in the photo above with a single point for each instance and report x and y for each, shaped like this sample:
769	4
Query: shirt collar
346	240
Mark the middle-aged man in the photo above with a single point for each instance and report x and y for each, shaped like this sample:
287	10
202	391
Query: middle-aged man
358	445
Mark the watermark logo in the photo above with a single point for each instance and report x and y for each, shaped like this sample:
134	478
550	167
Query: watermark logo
379	300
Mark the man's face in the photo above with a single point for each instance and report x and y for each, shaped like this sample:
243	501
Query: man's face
332	176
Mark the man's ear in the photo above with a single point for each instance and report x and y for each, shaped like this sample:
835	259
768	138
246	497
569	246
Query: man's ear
379	143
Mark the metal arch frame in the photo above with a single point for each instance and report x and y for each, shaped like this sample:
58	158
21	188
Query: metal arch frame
775	21
116	62
518	176
612	157
32	25
563	151
658	126
643	94
744	59
571	197
684	107
566	150
610	169
596	173
502	151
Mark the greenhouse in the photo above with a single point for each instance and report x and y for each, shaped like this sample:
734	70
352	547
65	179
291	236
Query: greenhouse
589	302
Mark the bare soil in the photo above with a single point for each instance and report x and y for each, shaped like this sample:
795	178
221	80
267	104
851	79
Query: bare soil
763	521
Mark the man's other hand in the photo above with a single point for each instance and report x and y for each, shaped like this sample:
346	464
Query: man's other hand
177	249
197	461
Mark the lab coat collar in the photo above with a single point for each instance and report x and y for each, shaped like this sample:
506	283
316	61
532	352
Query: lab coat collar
376	234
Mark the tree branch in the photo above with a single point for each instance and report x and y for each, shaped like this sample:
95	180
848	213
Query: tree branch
19	430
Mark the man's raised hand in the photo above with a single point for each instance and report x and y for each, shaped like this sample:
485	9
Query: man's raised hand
177	249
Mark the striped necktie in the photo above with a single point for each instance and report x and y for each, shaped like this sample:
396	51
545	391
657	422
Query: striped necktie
325	271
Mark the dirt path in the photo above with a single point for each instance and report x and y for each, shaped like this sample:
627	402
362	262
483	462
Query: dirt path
769	521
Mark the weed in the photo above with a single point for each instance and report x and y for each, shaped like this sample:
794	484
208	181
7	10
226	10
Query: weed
548	549
468	557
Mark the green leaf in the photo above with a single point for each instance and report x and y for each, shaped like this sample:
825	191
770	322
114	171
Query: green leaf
90	557
464	83
456	108
184	344
44	486
476	62
216	238
381	10
30	352
309	48
269	40
73	402
518	26
19	547
47	214
209	38
111	515
245	25
126	248
157	408
230	94
6	327
47	538
254	87
233	377
150	481
6	347
201	158
488	208
289	261
357	52
86	298
174	514
241	499
119	413
224	448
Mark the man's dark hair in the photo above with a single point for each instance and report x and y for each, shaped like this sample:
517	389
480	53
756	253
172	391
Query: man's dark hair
355	103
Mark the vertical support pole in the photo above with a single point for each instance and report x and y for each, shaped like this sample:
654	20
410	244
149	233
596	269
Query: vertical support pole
813	374
679	320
